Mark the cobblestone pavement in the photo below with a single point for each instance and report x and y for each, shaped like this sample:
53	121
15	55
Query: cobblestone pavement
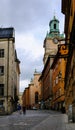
55	122
36	120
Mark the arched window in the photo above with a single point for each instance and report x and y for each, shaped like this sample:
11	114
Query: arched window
54	26
36	97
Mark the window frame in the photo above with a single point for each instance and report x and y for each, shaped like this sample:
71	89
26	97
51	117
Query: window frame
1	89
1	70
1	53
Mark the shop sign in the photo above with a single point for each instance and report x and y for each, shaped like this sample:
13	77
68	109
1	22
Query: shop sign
63	50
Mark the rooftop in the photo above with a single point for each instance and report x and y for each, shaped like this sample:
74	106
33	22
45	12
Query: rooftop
6	32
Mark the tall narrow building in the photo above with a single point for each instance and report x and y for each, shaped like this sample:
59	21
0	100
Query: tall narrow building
53	38
68	9
9	71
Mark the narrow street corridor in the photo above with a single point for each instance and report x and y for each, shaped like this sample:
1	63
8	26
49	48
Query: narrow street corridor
36	119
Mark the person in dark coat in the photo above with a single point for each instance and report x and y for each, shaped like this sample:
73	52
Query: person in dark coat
19	108
24	109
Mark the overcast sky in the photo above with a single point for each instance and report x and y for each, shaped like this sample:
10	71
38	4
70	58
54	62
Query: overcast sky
30	19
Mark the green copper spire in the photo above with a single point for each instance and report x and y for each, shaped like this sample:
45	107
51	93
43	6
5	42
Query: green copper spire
54	28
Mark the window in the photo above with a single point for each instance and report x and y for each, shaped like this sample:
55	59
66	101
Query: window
57	80
60	91
54	26
57	94
36	97
54	83
1	89
1	103
60	60
1	70
1	52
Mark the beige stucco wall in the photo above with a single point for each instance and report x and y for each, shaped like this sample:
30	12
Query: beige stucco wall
50	48
10	77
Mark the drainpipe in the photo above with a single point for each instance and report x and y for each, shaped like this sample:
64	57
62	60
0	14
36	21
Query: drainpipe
7	73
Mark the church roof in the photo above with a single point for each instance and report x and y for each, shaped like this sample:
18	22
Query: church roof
6	32
54	29
54	19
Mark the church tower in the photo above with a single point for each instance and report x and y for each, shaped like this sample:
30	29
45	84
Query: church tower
52	39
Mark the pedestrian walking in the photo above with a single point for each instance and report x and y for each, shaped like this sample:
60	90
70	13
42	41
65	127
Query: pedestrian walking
19	108
24	109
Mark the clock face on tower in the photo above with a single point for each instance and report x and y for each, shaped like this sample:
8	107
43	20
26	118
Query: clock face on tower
55	40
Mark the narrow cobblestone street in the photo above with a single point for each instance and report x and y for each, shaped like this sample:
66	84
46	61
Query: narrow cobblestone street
36	119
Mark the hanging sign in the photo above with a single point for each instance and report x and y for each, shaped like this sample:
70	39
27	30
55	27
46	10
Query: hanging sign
63	50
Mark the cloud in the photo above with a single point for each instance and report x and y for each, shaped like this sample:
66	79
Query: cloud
28	15
31	45
23	84
29	64
30	52
30	18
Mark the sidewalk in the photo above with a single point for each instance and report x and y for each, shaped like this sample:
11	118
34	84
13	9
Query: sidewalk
55	123
69	126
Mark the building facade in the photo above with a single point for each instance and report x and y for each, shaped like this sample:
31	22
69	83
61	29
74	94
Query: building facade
45	78
32	94
51	42
20	98
9	71
58	81
68	9
27	102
